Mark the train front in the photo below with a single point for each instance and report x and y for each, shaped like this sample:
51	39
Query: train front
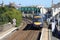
37	21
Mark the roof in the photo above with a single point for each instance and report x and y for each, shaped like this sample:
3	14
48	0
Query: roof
56	5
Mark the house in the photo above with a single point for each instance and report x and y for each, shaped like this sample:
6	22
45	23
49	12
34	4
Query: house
56	13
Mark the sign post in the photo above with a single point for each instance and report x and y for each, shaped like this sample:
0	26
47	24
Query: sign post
14	22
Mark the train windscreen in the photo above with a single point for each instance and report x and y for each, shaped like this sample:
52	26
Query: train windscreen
37	20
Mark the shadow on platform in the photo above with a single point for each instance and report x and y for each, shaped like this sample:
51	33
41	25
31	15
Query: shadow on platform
30	27
57	35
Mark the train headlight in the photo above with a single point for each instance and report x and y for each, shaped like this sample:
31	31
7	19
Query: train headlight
37	23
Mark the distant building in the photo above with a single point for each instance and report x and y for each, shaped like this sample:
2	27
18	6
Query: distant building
13	5
2	4
56	5
56	8
44	10
30	10
56	13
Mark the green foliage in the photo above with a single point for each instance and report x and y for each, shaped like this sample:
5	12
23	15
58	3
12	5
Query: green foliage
8	14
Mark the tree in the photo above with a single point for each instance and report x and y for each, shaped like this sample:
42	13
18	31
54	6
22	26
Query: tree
9	13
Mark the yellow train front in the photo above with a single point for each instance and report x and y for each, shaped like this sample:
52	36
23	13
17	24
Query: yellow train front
37	21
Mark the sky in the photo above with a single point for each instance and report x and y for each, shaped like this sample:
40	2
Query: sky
45	3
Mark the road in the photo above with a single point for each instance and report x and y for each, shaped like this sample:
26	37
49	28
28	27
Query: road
26	32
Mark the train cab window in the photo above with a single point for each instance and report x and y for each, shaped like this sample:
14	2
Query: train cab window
37	14
37	20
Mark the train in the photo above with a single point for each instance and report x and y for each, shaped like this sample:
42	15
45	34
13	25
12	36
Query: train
38	20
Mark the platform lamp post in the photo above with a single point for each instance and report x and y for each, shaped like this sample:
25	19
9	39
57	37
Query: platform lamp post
53	11
32	13
50	36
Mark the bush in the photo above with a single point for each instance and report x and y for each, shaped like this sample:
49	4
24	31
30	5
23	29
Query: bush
9	14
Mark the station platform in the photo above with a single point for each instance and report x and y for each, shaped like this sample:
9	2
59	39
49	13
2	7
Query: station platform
45	33
3	34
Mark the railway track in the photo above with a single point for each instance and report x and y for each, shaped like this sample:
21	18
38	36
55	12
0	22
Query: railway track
27	20
25	32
